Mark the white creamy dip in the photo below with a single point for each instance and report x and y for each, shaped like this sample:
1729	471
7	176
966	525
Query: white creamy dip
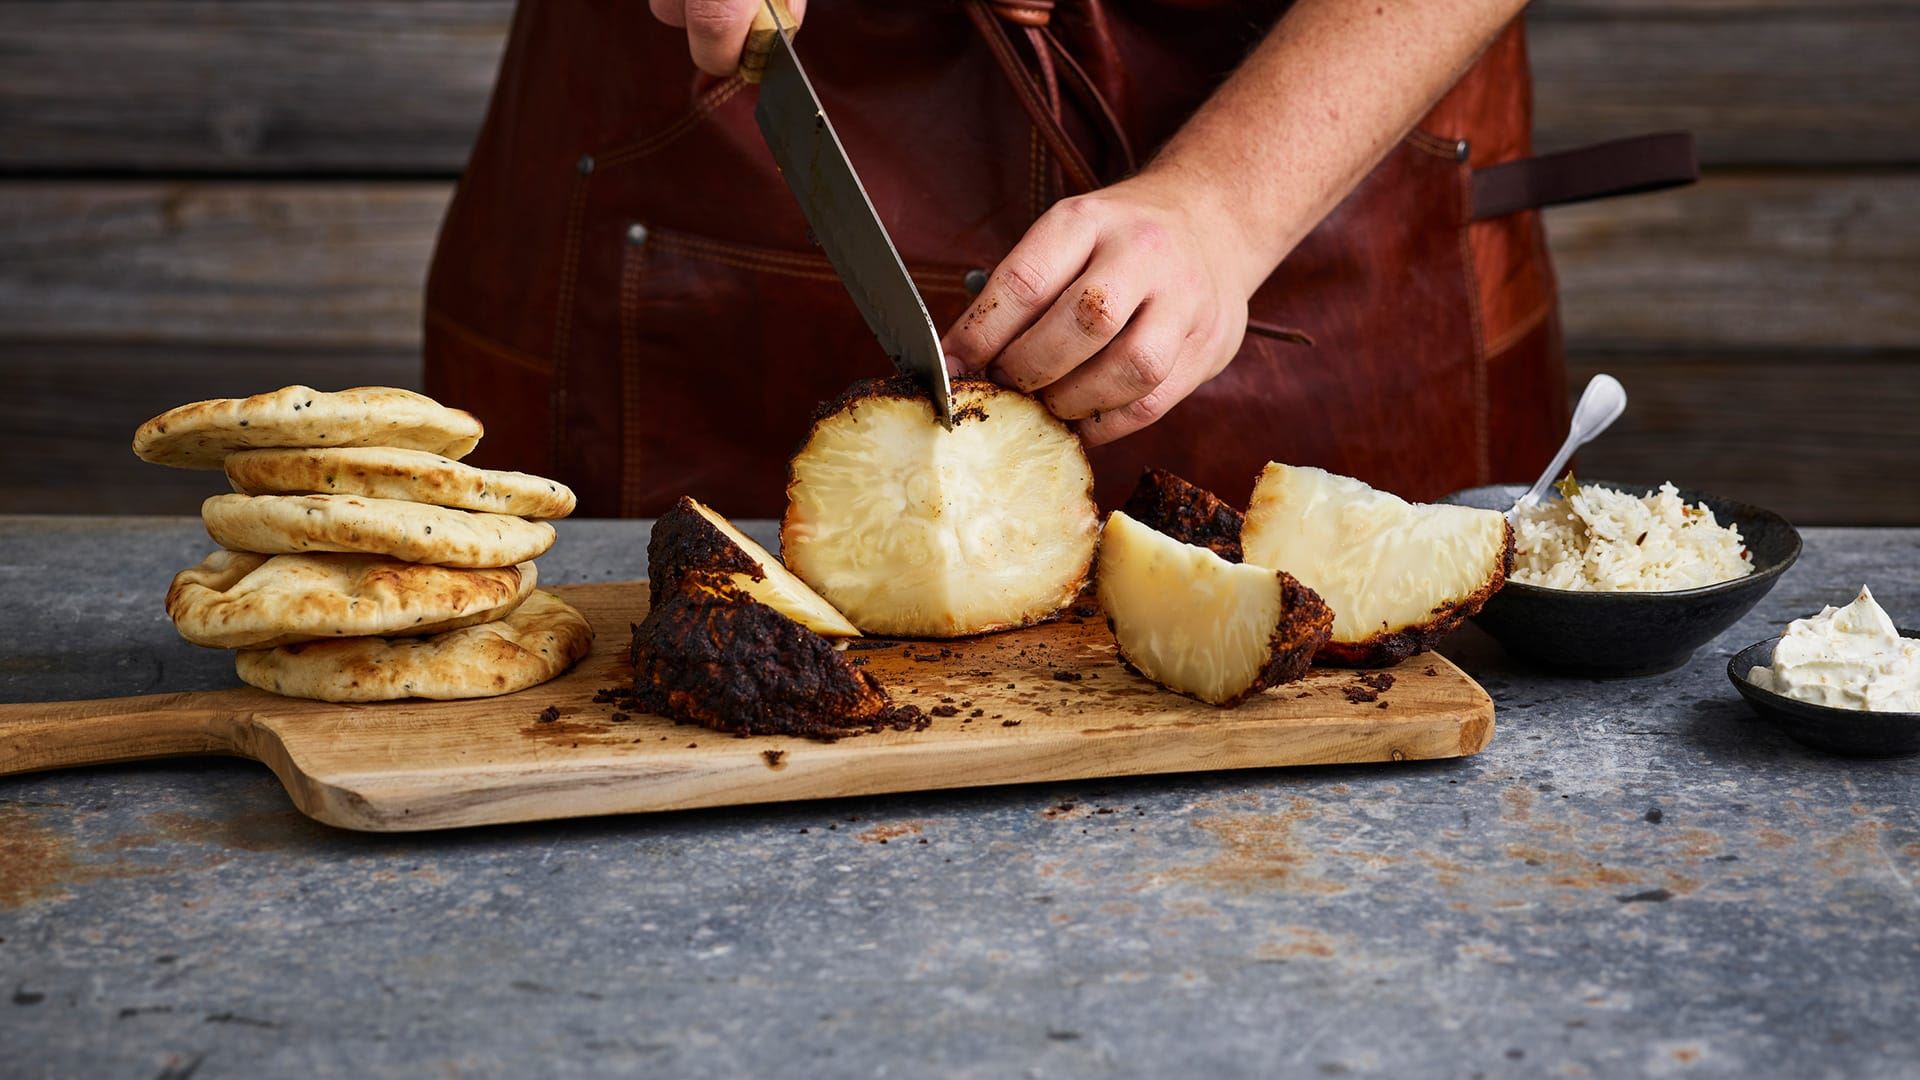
1846	658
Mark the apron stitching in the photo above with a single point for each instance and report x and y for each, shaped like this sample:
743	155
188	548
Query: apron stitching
714	98
1434	144
563	321
1526	325
630	369
476	340
774	264
1483	450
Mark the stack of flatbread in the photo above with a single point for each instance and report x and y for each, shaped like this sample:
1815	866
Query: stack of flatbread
360	560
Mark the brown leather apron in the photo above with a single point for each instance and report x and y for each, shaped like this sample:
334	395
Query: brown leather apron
624	291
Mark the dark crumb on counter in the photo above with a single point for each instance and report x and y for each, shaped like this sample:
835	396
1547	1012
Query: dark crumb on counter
1010	723
1104	810
549	714
858	661
1086	611
1304	693
944	710
1382	705
976	714
862	646
1067	676
1655	816
774	758
945	652
693	746
1431	673
926	658
1367	688
620	718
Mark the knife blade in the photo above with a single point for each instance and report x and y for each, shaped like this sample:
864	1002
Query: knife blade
815	166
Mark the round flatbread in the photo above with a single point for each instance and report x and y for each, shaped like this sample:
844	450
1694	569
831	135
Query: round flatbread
409	475
542	638
296	524
240	600
201	435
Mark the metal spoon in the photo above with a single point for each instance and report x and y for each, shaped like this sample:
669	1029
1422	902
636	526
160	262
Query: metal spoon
1601	403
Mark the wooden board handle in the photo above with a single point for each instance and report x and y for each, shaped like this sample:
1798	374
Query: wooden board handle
61	734
773	15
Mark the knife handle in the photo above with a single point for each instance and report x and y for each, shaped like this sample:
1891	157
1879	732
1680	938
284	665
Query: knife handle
753	59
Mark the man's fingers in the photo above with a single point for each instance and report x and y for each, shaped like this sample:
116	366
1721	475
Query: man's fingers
1190	369
717	32
1051	254
1131	367
1089	314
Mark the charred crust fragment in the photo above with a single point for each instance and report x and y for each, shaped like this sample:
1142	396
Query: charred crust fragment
684	541
711	655
1302	633
1186	512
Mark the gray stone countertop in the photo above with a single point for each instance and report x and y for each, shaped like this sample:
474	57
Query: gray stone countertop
1634	879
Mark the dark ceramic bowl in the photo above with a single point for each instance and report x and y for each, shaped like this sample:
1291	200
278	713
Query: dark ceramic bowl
1631	633
1836	731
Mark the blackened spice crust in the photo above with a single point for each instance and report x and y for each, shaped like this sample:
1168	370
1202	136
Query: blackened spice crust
711	655
684	541
1186	512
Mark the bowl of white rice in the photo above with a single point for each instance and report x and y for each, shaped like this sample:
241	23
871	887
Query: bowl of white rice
1615	578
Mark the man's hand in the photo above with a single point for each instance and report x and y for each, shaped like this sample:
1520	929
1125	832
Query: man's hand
716	29
1114	306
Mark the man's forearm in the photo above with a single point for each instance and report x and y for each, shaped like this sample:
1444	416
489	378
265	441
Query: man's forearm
1315	106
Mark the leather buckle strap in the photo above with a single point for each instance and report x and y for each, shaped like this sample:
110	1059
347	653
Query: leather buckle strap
1621	167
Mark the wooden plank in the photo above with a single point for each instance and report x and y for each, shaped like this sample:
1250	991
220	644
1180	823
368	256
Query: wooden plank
1820	438
1806	84
266	85
67	414
400	766
1743	261
307	264
1811	261
386	86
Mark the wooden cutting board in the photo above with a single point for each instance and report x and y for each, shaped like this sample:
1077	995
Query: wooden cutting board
1048	703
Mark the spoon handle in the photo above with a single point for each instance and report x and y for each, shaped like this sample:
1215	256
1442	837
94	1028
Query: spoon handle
1601	403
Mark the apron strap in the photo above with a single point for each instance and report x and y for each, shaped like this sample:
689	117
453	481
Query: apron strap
1621	167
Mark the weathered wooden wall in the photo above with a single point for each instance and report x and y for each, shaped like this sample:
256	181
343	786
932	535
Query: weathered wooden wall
202	198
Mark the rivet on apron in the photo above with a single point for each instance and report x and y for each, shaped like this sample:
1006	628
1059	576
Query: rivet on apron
585	164
636	234
974	281
1460	150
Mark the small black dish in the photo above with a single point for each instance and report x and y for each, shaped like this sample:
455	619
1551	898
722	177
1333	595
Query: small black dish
1823	727
1631	633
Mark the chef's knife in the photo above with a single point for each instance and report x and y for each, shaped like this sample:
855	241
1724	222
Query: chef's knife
815	166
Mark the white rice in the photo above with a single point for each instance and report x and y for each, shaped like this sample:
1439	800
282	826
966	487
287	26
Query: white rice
1602	540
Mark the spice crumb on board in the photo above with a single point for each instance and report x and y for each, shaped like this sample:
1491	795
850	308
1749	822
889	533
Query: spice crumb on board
774	757
944	710
1067	676
1010	723
549	714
